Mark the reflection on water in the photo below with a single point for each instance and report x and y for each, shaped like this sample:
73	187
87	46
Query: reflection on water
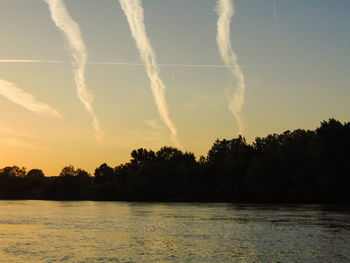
46	231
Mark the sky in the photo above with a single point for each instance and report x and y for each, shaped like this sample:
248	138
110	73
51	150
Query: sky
294	55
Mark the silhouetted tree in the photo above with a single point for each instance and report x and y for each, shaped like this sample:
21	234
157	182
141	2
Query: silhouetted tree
67	186
104	174
141	155
68	171
295	166
36	173
13	171
83	177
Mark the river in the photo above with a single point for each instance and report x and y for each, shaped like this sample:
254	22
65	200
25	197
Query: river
49	231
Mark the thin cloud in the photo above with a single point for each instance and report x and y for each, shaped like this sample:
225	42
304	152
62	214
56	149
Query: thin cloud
11	142
134	13
31	61
10	91
275	14
225	10
154	124
71	30
117	63
6	131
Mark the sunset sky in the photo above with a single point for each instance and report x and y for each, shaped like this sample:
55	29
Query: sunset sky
294	55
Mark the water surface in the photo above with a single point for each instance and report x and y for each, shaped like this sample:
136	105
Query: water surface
48	231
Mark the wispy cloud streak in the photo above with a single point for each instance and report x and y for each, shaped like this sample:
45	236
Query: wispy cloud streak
32	61
12	142
71	30
116	63
275	14
134	13
225	10
10	91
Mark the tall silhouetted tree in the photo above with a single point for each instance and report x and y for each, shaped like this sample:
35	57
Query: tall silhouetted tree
104	174
68	171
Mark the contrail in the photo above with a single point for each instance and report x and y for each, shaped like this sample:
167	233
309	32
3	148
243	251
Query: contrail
225	11
276	22
10	91
71	30
134	13
115	63
32	61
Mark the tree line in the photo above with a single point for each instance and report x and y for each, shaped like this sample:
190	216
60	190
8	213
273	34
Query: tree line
300	166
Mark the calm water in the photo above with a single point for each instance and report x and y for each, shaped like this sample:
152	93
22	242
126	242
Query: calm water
45	231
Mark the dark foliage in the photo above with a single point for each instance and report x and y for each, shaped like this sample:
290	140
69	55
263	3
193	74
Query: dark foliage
292	167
